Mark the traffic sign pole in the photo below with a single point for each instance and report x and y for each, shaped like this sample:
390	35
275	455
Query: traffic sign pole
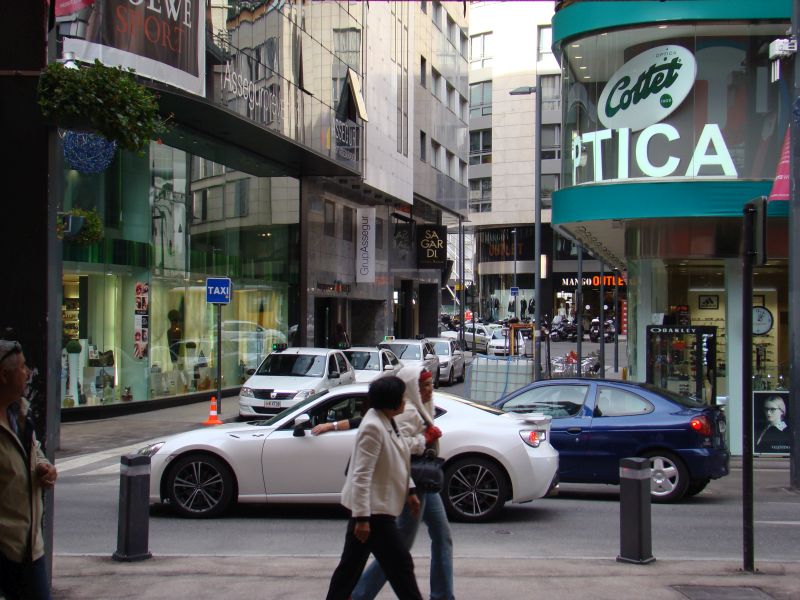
218	292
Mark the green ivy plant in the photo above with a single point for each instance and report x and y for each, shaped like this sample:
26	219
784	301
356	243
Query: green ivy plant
92	230
107	100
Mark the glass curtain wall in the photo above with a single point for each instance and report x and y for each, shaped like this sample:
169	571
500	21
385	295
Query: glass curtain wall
135	302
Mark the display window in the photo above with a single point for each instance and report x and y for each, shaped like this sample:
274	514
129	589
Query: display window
135	321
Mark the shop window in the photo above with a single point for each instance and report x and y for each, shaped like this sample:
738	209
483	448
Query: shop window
330	218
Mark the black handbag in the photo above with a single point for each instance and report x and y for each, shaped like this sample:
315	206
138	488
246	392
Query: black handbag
426	471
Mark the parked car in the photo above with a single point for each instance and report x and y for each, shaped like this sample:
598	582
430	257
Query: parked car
491	457
370	362
476	337
289	375
452	366
415	353
500	344
596	423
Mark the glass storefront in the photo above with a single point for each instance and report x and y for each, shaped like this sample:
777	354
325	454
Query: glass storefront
135	302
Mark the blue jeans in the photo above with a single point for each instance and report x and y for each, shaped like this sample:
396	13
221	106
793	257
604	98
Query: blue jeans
24	581
441	579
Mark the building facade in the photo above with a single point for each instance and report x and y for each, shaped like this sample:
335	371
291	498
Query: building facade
671	123
289	167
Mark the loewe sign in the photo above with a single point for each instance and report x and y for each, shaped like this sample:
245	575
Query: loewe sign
648	88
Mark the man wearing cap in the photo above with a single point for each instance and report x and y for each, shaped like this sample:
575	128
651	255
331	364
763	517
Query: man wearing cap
24	474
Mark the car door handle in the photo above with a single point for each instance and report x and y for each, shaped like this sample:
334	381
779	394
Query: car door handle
574	429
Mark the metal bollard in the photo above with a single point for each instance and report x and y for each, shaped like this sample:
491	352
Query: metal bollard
634	511
134	508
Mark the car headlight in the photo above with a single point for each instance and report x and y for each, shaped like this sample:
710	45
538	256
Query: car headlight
444	364
303	394
533	437
150	450
247	392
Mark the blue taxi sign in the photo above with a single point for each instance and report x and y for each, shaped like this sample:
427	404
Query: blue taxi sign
218	290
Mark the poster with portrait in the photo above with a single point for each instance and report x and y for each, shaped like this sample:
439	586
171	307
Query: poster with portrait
141	326
771	431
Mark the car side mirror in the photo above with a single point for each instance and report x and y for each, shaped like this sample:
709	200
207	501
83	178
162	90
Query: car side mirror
301	423
251	371
457	353
429	356
388	368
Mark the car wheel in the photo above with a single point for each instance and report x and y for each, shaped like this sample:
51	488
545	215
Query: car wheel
475	490
450	378
199	486
696	486
669	478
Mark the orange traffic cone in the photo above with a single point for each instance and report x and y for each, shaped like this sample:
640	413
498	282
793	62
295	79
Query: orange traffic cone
213	419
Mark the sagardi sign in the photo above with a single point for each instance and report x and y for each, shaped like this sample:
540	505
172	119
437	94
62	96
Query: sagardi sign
641	94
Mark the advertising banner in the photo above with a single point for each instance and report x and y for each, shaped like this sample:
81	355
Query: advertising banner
431	246
771	433
161	39
141	324
365	245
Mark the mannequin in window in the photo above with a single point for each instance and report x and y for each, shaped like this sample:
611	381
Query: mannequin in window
174	335
523	306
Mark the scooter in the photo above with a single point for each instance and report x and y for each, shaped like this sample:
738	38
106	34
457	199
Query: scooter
563	328
609	330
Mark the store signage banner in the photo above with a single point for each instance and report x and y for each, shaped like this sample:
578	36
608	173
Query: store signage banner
648	88
365	245
141	325
431	246
771	433
781	189
161	39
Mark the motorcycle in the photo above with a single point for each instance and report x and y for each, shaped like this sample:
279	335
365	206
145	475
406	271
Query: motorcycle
563	328
609	330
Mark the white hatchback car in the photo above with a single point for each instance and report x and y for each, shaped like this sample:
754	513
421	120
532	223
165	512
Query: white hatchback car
452	366
370	362
290	375
415	353
491	457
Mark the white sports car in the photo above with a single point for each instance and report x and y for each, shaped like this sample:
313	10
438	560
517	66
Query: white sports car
491	457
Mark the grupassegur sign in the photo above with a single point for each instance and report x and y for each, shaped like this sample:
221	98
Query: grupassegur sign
647	88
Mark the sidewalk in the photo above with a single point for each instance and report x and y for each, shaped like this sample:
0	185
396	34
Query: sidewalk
497	578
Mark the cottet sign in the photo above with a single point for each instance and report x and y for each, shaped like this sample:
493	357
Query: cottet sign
638	97
648	88
218	290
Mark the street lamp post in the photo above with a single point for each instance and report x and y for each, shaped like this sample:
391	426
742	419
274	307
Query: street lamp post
514	285
537	213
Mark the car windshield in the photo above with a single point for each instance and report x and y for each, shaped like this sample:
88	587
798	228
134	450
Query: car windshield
293	365
442	348
685	401
407	351
363	360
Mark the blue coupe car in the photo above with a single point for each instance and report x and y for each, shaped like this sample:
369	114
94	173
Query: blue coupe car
598	422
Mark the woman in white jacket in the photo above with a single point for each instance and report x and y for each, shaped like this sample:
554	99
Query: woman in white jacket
377	487
419	435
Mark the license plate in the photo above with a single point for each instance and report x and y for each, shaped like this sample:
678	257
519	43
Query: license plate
272	403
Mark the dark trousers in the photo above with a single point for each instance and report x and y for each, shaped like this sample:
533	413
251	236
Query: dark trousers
385	543
24	581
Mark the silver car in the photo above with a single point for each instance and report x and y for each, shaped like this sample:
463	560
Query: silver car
415	353
371	362
452	366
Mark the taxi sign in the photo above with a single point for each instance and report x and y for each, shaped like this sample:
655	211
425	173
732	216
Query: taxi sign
218	290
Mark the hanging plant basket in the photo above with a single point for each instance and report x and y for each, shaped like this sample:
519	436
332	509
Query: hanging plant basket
88	152
90	231
105	100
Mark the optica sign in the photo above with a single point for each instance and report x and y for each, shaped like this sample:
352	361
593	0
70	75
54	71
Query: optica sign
648	88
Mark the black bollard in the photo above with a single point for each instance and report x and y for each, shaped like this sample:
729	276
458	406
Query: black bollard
634	511
134	508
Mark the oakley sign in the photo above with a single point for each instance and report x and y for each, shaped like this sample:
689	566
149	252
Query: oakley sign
648	88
